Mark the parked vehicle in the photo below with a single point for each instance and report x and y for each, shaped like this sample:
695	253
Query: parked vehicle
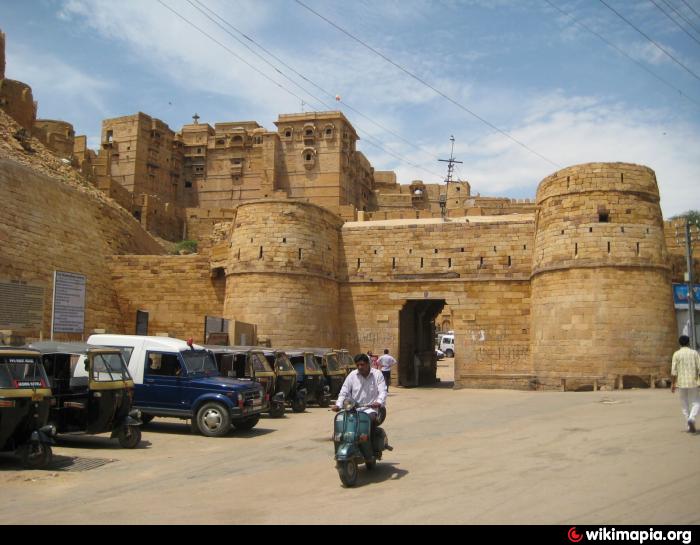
439	354
334	375
93	391
346	361
179	379
25	399
310	377
286	379
249	362
356	442
447	345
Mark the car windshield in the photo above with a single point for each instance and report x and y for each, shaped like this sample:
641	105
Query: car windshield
282	363
332	362
199	361
22	372
259	363
310	363
109	367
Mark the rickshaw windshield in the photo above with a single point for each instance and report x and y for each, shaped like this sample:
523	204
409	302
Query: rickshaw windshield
282	363
199	361
346	360
22	372
109	367
310	363
332	362
259	363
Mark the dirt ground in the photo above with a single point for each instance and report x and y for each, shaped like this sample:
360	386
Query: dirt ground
461	456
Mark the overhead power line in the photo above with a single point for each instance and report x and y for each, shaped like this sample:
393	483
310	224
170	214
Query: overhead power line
679	63
673	20
622	52
425	83
691	8
681	15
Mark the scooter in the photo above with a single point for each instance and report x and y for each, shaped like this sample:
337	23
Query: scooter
355	441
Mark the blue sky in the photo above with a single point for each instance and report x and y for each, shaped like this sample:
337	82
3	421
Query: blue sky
522	66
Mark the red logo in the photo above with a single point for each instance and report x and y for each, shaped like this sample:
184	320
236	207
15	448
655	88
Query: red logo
573	536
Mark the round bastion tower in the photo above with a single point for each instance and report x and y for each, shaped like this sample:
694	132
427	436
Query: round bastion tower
282	272
602	310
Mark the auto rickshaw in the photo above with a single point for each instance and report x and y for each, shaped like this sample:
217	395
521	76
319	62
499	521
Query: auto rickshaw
286	379
249	362
309	377
25	399
335	375
346	361
93	391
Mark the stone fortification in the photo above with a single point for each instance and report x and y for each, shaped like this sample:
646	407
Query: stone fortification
282	269
601	301
58	136
17	101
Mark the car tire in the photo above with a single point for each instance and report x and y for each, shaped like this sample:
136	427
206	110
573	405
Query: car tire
449	353
213	420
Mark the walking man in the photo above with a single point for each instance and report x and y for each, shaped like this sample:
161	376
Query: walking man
386	362
685	370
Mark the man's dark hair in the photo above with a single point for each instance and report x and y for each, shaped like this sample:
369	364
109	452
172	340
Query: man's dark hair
684	340
386	350
361	357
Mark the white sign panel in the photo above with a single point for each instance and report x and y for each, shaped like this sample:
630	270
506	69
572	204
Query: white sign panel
68	303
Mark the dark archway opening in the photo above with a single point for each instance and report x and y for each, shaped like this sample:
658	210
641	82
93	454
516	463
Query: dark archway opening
417	342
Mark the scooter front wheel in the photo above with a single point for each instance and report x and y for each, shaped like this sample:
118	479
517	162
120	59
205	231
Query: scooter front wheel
347	470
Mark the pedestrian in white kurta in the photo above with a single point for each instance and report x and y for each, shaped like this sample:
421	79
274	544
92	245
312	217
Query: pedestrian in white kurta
685	370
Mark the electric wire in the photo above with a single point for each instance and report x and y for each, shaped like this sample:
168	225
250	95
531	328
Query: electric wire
310	81
690	24
367	137
679	63
622	52
691	8
425	83
674	21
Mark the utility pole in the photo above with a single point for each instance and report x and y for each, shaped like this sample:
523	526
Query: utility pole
450	167
689	240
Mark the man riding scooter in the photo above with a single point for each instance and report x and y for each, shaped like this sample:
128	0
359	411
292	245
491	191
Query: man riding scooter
360	405
366	386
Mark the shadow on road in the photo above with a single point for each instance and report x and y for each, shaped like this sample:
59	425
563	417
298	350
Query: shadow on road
382	472
94	442
179	428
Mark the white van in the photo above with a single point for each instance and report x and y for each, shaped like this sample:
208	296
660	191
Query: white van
447	345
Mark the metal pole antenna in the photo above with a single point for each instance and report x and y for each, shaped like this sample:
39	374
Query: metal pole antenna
691	295
450	167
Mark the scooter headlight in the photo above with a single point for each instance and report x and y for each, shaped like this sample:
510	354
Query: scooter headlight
349	404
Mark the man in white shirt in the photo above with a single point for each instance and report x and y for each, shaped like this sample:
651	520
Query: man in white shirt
365	385
685	370
386	362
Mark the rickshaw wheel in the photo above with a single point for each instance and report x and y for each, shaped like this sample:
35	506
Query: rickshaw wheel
248	423
298	406
277	412
324	402
146	419
36	456
370	465
347	471
129	436
213	420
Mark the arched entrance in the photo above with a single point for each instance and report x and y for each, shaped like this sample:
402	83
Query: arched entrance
417	341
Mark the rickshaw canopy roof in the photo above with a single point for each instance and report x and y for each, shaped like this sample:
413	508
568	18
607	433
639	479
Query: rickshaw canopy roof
52	347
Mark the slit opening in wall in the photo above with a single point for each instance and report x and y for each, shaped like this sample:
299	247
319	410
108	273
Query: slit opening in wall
393	262
358	263
261	253
449	262
421	262
576	248
608	247
603	217
637	248
300	253
510	261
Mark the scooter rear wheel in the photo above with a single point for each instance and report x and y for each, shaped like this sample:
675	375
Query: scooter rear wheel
348	472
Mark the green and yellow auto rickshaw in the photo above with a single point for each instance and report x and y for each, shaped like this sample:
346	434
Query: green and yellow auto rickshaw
25	400
93	391
249	362
334	374
346	361
309	376
286	379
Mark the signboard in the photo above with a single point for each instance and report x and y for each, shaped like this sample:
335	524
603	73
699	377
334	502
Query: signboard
68	303
21	305
680	295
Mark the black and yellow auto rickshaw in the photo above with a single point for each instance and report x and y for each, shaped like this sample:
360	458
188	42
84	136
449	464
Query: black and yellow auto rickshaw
309	376
327	360
25	400
93	391
286	379
249	362
346	361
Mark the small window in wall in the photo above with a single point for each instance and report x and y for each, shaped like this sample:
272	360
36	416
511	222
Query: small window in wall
188	184
199	150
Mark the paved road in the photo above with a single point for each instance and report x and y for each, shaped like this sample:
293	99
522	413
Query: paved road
461	456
